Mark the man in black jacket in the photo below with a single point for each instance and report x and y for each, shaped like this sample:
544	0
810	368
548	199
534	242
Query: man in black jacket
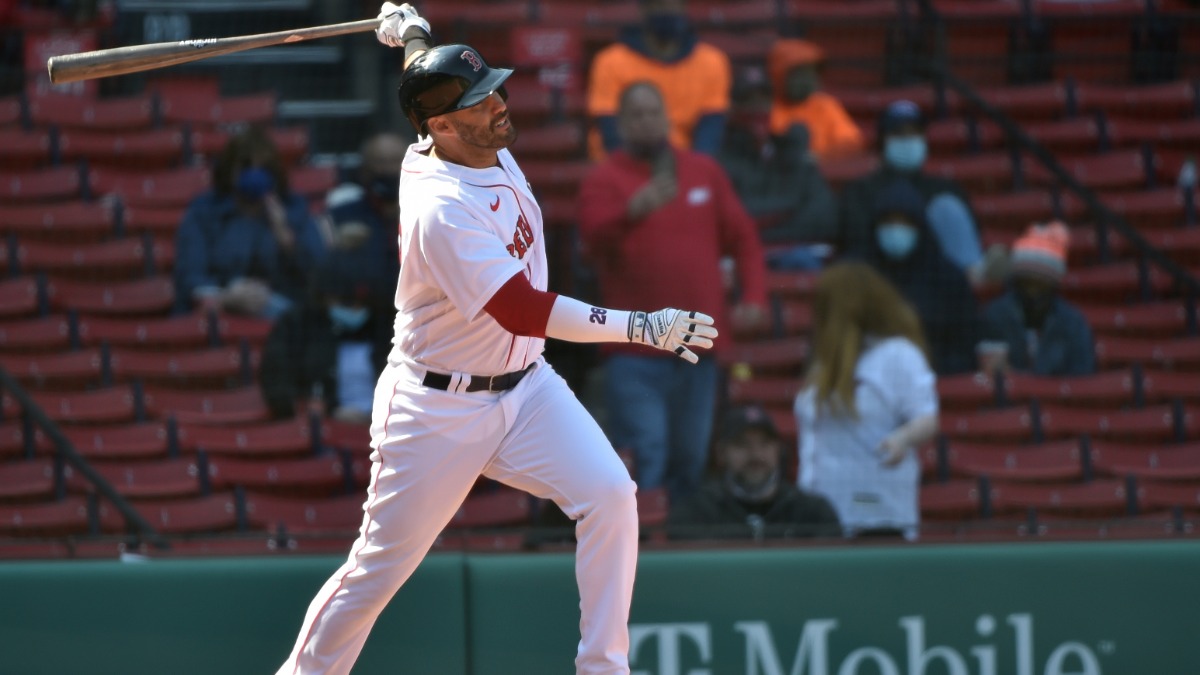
750	497
330	348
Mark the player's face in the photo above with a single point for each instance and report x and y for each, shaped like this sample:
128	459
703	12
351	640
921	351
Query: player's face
485	125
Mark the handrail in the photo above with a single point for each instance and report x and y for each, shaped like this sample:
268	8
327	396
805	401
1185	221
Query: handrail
942	76
67	451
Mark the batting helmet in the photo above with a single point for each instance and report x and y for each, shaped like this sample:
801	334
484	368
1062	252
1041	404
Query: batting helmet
447	78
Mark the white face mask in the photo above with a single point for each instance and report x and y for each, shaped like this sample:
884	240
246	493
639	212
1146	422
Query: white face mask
348	319
896	239
905	153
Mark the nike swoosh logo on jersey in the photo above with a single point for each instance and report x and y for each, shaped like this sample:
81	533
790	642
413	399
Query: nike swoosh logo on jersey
497	204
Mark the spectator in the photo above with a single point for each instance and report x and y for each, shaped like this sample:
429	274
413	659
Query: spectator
1031	328
367	219
245	246
332	346
751	497
906	253
693	77
795	66
775	175
655	221
870	401
902	148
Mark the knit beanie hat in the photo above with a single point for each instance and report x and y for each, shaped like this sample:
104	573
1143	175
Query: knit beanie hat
1042	252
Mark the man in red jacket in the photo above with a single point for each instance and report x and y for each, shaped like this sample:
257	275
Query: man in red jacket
655	222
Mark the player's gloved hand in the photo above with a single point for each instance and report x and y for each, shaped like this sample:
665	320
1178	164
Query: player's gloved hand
673	330
394	20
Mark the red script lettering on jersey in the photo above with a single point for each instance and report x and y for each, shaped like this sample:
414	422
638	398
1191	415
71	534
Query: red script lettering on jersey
522	239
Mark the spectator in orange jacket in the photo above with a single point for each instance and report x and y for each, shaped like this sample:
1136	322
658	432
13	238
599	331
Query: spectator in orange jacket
693	76
794	66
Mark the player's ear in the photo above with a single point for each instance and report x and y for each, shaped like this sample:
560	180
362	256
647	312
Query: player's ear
440	125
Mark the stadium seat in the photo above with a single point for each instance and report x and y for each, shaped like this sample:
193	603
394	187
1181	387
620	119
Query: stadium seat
561	139
555	176
1116	170
145	149
25	149
842	170
57	184
531	101
791	284
1011	425
1112	283
1176	134
312	181
653	508
155	334
1113	388
1154	495
162	479
45	334
1161	208
1028	102
1166	386
297	516
951	500
174	188
310	476
1176	354
1097	498
147	296
111	405
1055	461
212	513
115	259
500	507
69	221
234	329
289	437
29	480
142	441
1077	135
19	297
291	142
162	222
64	517
781	357
224	407
353	437
955	135
1181	244
1151	320
1167	462
61	370
966	391
990	172
1012	211
1167	100
251	109
193	369
73	112
10	111
770	392
1154	424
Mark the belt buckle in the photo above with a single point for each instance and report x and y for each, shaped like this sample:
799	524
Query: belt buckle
491	385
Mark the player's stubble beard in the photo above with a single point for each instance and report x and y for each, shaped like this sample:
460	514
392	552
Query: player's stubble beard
489	138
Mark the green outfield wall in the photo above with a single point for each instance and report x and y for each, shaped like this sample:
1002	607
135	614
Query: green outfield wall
1028	609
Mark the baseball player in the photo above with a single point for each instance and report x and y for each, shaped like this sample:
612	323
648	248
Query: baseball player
466	391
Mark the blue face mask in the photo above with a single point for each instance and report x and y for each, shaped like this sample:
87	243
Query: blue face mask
348	319
905	153
896	240
668	27
254	183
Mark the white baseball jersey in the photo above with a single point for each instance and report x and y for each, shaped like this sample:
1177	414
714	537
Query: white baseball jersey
463	233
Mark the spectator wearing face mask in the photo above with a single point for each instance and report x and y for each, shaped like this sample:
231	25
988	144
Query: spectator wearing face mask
795	76
750	496
1031	328
904	250
246	246
332	346
902	148
367	220
693	76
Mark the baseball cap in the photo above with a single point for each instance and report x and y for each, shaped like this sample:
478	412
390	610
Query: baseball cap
740	419
898	114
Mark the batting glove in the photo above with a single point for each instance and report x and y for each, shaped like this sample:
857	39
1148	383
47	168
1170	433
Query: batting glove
394	20
673	330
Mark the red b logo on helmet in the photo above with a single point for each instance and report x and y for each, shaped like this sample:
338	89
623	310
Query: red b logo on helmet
470	58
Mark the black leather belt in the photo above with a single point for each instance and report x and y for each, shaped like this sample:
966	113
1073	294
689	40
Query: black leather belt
492	383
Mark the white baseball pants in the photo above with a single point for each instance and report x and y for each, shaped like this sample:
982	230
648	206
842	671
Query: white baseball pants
430	447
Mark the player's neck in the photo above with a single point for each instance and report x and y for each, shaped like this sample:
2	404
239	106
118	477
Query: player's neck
472	158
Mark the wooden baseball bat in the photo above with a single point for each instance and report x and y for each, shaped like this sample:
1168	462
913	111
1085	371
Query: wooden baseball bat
123	60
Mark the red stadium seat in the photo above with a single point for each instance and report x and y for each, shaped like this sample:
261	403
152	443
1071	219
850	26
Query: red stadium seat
1097	498
149	440
224	407
795	317
1028	102
1176	134
1166	386
530	100
347	436
47	334
69	516
180	332
500	507
842	170
72	112
953	136
1157	319
1181	244
1170	99
18	297
771	392
234	329
653	507
194	369
560	177
145	149
290	437
1168	462
1011	425
1012	210
951	500
292	143
24	149
1078	135
791	284
1117	170
1046	462
172	188
781	357
252	109
162	479
119	258
335	514
58	184
867	103
990	172
103	406
68	221
1110	283
1158	495
61	370
27	481
214	513
311	476
161	222
1111	388
10	111
1151	424
1159	208
562	139
1177	354
312	181
966	391
148	296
